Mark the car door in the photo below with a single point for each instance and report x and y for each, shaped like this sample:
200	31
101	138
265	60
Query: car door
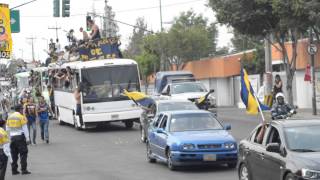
256	157
162	137
166	93
152	132
273	162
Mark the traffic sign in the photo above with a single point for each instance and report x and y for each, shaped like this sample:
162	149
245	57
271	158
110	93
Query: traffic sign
15	21
312	49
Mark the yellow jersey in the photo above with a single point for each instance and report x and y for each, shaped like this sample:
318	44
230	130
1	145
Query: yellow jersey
16	120
4	138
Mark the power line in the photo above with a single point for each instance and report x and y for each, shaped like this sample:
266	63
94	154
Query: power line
23	4
156	7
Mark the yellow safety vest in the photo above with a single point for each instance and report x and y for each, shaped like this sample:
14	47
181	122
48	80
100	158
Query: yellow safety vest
4	138
16	120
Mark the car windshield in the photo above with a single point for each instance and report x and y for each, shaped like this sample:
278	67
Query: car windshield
303	139
187	87
174	106
194	122
105	83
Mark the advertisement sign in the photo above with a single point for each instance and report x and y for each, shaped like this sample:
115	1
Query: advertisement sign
5	32
101	49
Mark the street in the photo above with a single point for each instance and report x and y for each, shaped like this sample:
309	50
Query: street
115	153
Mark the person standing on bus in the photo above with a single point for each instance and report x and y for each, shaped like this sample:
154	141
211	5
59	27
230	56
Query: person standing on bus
19	138
95	32
30	111
43	113
77	96
5	153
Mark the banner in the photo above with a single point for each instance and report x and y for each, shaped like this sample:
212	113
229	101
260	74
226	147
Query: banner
5	32
100	49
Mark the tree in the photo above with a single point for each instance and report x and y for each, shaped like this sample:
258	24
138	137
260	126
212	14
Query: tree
189	39
285	20
242	42
135	43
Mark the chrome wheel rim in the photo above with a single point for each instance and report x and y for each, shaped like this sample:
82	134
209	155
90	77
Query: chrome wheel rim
244	175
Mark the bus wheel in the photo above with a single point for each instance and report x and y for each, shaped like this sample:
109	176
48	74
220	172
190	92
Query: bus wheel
128	124
59	118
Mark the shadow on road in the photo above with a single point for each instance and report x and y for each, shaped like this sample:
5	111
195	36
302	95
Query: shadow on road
111	127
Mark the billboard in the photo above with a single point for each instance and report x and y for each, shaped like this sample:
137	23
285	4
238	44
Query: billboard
5	32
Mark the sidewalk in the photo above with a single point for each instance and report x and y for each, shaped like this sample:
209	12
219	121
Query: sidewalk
241	113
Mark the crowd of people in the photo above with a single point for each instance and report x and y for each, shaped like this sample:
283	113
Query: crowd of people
19	129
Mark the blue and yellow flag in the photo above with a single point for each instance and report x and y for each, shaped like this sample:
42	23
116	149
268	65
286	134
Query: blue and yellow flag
139	98
5	32
248	96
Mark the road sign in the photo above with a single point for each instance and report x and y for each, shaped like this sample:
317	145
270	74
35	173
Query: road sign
312	49
15	21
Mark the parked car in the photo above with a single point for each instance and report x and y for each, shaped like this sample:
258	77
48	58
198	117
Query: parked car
191	91
290	150
190	137
165	77
148	115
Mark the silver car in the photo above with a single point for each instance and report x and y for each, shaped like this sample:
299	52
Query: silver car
150	114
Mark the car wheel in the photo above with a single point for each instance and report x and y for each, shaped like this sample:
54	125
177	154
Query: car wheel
143	134
149	155
290	177
169	161
232	165
244	173
128	124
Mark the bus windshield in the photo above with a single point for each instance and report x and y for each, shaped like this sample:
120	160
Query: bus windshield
104	84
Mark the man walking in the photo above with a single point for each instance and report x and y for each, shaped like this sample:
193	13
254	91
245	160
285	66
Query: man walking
43	113
30	111
19	136
5	153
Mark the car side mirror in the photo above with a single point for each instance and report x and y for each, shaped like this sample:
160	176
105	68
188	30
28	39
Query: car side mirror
160	131
227	127
273	147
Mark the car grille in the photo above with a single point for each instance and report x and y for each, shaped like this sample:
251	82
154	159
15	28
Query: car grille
209	146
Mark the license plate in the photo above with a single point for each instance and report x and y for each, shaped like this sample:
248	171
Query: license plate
115	116
209	157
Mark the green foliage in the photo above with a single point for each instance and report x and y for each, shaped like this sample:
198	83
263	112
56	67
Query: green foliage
285	19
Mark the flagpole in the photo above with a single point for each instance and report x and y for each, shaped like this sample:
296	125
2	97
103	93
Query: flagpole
260	110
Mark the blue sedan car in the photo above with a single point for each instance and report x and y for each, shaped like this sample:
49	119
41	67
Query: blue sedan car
190	137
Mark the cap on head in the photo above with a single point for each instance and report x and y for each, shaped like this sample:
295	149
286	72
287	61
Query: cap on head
18	107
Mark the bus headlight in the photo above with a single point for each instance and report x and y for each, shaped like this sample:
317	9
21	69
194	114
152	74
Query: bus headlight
88	108
188	146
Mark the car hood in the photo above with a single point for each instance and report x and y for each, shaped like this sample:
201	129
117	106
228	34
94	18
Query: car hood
190	95
308	160
198	137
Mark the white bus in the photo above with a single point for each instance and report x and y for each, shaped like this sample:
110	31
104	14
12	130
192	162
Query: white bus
101	82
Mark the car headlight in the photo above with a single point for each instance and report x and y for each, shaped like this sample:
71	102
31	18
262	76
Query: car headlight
188	146
310	174
230	145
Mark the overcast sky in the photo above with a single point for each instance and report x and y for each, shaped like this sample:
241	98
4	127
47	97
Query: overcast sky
38	16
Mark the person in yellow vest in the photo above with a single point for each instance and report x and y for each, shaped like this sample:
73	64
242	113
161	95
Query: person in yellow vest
19	138
5	153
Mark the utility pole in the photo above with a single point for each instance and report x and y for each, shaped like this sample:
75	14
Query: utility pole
312	51
56	28
162	63
32	46
268	66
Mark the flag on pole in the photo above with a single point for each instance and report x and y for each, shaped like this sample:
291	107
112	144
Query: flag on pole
248	96
139	98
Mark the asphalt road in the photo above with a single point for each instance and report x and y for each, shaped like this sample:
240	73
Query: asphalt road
115	153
